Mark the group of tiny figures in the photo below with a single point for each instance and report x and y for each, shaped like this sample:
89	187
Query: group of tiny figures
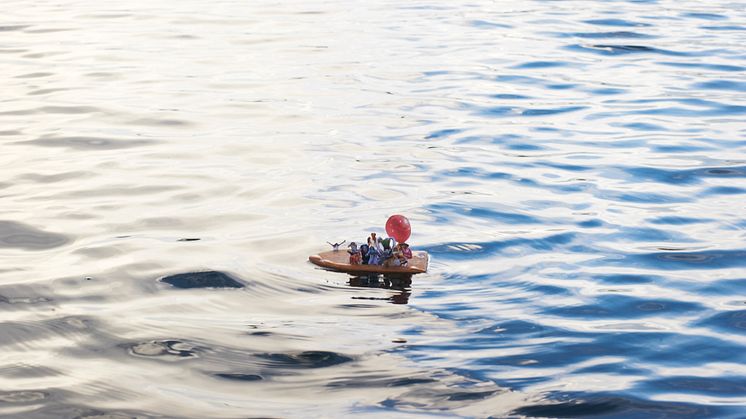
385	252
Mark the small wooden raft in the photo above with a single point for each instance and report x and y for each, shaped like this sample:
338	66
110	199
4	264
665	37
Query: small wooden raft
340	261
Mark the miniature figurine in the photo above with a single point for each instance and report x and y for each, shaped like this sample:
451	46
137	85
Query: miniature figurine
374	255
388	243
355	257
335	246
364	252
390	259
388	247
376	242
406	251
400	254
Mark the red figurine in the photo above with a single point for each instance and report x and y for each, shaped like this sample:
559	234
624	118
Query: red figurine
355	257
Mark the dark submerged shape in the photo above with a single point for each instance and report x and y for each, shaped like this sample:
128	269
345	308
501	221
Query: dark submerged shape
306	359
209	279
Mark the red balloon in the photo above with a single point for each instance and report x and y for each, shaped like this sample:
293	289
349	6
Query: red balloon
398	227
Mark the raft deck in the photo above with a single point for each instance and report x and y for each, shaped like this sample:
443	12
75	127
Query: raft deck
340	261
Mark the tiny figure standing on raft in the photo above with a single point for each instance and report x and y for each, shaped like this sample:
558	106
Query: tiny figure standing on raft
406	251
374	255
355	256
335	246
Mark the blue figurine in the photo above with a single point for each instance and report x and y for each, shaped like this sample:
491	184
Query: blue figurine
374	255
364	252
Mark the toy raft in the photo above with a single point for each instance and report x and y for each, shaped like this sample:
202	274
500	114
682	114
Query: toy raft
340	261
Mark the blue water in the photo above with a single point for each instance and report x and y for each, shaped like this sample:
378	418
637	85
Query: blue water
620	290
576	170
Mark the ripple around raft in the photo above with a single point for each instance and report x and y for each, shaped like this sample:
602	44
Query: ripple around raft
705	16
677	260
611	49
541	65
624	307
734	85
705	66
615	407
729	321
54	411
9	28
88	143
208	279
449	211
725	28
639	346
616	22
483	24
239	377
24	300
675	220
683	177
21	236
166	349
608	35
22	397
460	251
723	386
379	381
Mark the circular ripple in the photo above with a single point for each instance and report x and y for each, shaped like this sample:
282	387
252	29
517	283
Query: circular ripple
164	348
22	396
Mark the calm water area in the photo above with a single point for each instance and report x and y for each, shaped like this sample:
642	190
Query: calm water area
576	170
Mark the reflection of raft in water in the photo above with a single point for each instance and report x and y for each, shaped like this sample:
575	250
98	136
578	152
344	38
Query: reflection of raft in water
340	261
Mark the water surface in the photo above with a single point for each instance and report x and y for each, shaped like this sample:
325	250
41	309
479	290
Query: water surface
576	170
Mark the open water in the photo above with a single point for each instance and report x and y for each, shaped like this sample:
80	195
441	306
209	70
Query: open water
576	169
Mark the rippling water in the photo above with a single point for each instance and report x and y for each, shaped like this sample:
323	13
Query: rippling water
576	169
